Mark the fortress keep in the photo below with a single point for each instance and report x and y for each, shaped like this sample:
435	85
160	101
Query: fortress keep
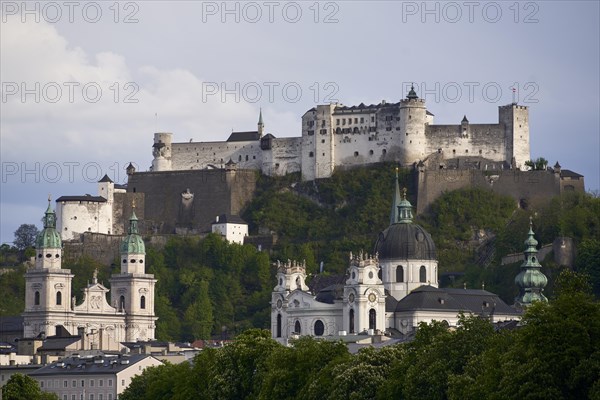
338	136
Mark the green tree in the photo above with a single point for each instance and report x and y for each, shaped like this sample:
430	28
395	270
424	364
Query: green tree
588	262
25	236
240	367
303	362
23	387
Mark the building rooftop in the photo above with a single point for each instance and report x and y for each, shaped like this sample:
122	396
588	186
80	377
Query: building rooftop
243	136
87	197
229	219
101	364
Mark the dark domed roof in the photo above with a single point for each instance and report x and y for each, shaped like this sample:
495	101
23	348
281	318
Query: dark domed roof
405	241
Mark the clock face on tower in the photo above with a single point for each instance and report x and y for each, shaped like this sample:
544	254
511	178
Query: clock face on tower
351	298
372	297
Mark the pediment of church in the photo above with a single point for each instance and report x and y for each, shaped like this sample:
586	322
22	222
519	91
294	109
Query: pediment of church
94	300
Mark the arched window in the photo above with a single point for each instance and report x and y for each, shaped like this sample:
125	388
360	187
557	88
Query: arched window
399	273
372	319
351	317
58	298
36	299
422	274
278	325
379	274
143	302
297	327
319	328
121	303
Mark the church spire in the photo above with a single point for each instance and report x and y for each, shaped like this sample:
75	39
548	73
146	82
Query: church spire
531	280
395	202
261	125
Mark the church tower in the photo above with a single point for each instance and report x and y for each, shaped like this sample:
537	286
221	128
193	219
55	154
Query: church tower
47	285
364	296
132	291
531	281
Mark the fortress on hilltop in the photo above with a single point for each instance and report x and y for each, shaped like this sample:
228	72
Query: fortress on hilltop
337	136
191	183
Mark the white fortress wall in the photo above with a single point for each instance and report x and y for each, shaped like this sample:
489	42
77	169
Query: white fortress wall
75	217
283	157
202	155
481	140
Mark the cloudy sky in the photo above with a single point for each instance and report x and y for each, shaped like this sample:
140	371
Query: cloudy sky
85	84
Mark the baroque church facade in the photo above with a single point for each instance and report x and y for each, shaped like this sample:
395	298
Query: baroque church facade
391	291
50	310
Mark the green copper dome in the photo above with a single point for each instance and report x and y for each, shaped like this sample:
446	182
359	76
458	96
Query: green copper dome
48	238
133	243
531	281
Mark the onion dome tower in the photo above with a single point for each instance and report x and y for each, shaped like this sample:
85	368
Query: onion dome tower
132	291
47	285
406	251
531	281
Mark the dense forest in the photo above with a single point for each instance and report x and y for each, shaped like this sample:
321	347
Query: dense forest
553	354
209	288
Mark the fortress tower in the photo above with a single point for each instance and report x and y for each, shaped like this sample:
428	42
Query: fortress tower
161	150
413	117
318	155
515	121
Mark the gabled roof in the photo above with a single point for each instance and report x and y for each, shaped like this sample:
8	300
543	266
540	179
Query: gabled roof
567	173
243	136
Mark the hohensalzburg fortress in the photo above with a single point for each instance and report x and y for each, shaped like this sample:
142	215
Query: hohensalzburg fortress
335	136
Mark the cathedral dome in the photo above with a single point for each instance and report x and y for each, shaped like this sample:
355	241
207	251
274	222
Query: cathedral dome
405	241
49	238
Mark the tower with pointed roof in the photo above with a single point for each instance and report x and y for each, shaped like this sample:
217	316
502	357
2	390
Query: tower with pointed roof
47	285
406	251
261	125
132	291
531	281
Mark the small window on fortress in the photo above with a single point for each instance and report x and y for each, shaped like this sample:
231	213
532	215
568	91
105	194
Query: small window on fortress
466	151
383	151
356	121
337	121
240	158
372	118
36	299
362	120
479	151
311	154
370	152
246	157
453	151
356	154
